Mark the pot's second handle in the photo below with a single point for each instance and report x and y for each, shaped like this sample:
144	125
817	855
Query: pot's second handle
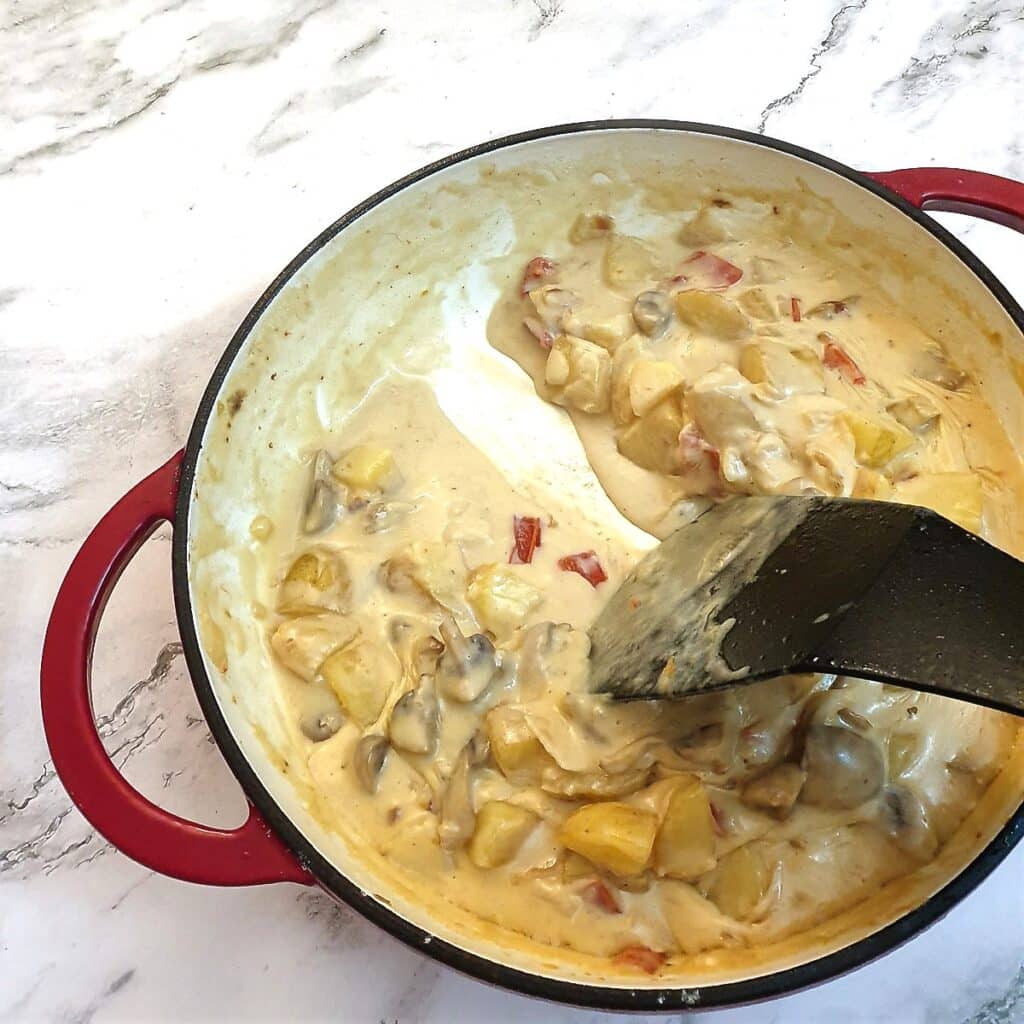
987	196
154	837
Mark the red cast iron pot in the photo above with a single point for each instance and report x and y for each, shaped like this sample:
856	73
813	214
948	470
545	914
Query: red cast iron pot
269	847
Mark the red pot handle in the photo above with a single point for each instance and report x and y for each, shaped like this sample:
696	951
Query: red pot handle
987	196
155	838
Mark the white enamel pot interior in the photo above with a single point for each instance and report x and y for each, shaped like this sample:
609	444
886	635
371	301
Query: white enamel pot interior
407	281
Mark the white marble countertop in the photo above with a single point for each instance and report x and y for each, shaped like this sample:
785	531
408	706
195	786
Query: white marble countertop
160	160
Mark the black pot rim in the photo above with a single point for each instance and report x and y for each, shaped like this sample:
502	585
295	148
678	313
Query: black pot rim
671	999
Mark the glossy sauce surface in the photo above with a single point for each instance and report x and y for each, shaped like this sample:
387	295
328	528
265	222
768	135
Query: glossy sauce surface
433	653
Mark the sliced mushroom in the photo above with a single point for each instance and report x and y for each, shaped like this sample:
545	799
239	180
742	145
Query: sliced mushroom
934	365
843	767
776	790
458	817
916	412
905	820
468	665
831	309
478	749
709	747
652	312
322	724
418	652
425	654
853	720
398	574
413	725
321	507
320	727
549	649
368	761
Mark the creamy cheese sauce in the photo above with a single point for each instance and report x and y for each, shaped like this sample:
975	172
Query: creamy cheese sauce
431	619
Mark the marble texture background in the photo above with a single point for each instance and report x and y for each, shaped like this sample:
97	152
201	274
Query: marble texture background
160	160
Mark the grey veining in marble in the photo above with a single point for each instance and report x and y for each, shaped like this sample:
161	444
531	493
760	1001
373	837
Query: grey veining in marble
160	160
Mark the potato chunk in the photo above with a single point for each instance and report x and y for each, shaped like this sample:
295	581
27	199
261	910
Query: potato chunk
876	440
652	442
791	371
501	828
513	743
624	359
650	381
711	313
608	331
303	644
575	867
757	303
629	264
957	496
316	582
361	676
579	374
740	882
775	790
501	598
366	467
685	846
430	568
615	836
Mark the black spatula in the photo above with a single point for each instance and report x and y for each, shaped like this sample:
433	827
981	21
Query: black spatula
760	587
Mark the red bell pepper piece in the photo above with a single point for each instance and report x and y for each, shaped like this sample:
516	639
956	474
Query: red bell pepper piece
708	272
526	534
600	895
538	270
835	358
586	564
646	959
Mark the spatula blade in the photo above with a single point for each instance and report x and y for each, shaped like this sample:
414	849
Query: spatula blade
761	587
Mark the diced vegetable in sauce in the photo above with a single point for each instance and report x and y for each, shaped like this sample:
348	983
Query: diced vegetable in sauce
501	598
740	882
538	270
836	358
501	828
430	637
641	957
601	896
361	676
712	314
685	845
707	271
612	835
366	468
526	536
587	564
